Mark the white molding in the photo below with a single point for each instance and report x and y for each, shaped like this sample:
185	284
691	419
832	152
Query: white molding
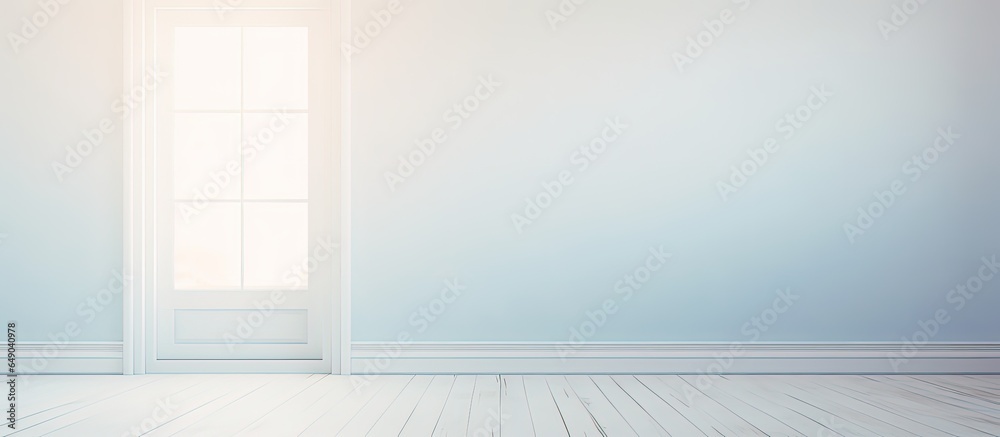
345	190
138	321
128	292
74	358
674	358
128	341
134	160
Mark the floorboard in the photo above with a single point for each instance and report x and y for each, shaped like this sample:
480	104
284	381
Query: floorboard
873	422
427	412
62	406
206	407
363	422
746	409
514	411
392	421
339	416
545	414
454	418
945	417
603	412
510	405
484	414
637	417
575	415
305	407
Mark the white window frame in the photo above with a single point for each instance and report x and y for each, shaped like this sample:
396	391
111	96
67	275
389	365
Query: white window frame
138	258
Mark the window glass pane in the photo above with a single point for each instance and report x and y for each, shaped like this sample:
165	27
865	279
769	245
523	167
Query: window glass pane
206	156
207	68
277	243
275	67
207	246
276	164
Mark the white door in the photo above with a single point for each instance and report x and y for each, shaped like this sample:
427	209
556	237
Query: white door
246	206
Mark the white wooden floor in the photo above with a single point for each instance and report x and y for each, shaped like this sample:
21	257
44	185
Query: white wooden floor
326	405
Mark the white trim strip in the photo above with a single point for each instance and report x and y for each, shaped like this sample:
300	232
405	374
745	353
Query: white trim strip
80	358
345	192
681	358
128	221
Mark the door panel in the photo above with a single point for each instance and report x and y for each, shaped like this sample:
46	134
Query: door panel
246	177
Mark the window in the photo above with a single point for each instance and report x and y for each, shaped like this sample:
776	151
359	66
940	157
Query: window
240	157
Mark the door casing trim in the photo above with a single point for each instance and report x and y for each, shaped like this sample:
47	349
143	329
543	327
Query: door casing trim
137	260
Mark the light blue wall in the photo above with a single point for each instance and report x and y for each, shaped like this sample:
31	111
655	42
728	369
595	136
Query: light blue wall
64	239
657	184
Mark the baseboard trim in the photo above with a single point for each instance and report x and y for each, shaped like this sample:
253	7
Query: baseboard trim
102	358
73	358
674	358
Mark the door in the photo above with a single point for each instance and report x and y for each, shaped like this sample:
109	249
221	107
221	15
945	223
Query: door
246	263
